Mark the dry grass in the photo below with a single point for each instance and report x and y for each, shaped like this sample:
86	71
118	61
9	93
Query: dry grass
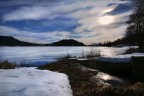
84	54
79	80
90	54
7	65
119	69
82	85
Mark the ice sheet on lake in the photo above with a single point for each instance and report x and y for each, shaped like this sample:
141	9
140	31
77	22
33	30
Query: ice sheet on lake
33	82
42	55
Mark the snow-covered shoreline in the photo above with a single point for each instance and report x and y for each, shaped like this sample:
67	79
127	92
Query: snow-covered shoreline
33	82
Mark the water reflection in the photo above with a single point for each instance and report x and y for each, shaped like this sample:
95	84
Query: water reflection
108	79
105	77
108	51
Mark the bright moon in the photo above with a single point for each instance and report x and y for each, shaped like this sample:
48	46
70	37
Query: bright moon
106	20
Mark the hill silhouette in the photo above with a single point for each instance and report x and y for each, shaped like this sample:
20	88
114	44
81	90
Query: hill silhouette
11	41
68	42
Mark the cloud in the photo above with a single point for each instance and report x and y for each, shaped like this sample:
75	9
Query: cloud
121	8
46	11
28	13
83	23
104	35
29	2
46	25
44	37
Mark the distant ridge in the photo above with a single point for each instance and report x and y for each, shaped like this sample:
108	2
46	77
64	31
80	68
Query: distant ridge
68	42
11	41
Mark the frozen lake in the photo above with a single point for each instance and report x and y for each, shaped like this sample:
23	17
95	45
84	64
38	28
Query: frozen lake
42	55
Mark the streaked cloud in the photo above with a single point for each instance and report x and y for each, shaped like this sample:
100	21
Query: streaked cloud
52	20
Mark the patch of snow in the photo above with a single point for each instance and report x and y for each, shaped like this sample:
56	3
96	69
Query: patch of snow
33	82
119	58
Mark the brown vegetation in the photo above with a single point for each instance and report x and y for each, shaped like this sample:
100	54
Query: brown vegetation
7	65
82	85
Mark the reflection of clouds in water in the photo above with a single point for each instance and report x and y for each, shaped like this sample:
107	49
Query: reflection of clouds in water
112	51
103	76
108	79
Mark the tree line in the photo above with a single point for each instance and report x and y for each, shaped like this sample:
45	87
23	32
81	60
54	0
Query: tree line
135	29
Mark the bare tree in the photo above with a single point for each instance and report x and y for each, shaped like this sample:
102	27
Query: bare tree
136	22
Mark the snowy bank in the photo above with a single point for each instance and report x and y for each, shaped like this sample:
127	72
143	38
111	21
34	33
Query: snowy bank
126	58
33	82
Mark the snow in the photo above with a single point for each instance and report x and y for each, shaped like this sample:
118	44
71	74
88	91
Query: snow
33	82
119	58
35	57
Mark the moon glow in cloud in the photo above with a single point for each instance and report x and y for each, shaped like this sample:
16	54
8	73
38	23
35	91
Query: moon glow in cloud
106	20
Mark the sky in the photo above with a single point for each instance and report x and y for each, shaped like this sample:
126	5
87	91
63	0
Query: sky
47	21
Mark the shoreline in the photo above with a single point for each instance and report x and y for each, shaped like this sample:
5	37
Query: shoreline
82	83
83	80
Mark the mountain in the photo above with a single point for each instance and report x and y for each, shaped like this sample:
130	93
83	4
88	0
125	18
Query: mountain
11	41
67	42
